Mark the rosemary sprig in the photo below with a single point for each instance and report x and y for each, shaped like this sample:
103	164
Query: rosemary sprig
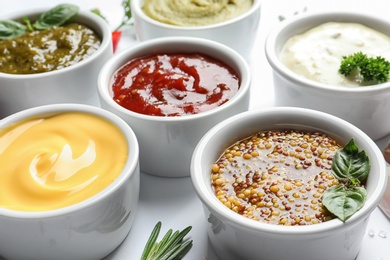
171	247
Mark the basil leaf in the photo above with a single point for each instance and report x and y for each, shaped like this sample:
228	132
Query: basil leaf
344	201
10	29
56	16
28	24
350	164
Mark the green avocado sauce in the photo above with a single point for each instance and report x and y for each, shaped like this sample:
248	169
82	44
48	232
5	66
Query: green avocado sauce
47	50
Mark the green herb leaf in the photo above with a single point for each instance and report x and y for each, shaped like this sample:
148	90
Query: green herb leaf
176	252
97	11
375	70
56	16
171	247
151	241
10	29
351	165
28	23
351	63
127	18
344	201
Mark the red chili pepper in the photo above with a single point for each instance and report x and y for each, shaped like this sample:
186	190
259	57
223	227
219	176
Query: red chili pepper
116	36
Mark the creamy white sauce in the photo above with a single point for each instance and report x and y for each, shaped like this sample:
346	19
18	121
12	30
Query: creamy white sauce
317	53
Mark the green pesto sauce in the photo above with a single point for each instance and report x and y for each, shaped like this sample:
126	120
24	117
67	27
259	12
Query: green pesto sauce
47	50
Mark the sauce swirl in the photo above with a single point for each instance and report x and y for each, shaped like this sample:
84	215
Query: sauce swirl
173	85
54	162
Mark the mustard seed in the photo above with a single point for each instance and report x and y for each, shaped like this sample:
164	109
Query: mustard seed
277	177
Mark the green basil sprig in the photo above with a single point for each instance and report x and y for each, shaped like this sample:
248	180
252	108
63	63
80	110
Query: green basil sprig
56	16
10	29
171	247
350	167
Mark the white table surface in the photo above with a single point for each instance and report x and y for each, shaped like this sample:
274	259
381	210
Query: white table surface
173	201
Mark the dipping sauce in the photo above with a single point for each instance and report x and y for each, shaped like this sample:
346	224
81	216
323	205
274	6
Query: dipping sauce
54	162
277	177
196	12
317	53
47	50
174	84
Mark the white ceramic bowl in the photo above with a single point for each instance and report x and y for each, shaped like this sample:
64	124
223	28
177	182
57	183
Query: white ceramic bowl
74	84
90	229
236	237
365	107
167	143
239	33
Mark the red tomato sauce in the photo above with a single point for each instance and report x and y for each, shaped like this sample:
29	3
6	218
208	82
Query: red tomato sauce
174	84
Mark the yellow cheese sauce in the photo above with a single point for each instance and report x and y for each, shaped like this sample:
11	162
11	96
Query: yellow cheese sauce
54	162
317	53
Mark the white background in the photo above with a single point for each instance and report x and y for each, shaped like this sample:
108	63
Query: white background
173	201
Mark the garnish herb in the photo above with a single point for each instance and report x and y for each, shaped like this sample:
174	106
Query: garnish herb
28	24
171	247
97	12
372	70
10	29
350	165
127	20
56	16
351	168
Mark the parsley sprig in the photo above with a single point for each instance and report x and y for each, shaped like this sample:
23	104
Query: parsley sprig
171	247
373	70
